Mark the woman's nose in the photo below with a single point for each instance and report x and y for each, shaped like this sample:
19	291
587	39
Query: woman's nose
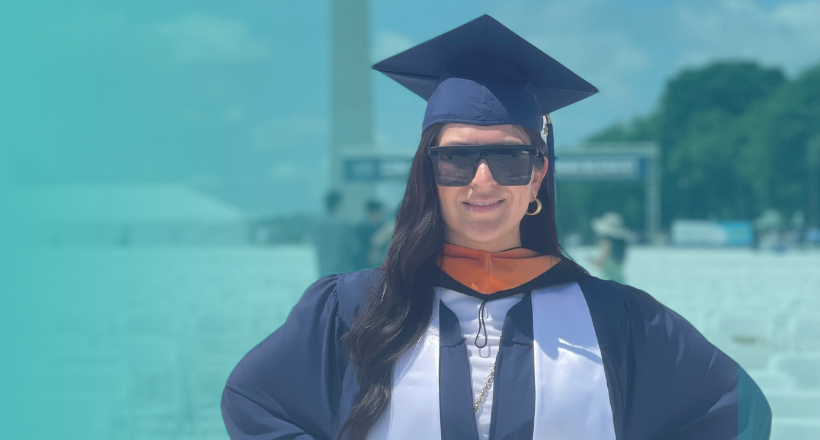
483	175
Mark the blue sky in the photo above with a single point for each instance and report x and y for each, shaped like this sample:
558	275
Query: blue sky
233	98
628	49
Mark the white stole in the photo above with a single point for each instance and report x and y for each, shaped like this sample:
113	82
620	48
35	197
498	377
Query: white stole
571	394
413	412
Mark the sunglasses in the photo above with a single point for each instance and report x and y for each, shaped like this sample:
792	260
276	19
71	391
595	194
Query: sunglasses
511	165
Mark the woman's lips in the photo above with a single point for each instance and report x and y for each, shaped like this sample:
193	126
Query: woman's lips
483	206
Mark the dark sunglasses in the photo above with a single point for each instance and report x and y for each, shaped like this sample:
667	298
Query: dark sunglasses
511	165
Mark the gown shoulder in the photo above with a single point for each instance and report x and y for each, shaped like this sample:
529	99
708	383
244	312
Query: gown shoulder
289	385
669	381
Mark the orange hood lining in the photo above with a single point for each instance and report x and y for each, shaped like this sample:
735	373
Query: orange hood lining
490	272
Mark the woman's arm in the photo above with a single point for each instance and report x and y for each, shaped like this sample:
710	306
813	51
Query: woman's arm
684	387
288	386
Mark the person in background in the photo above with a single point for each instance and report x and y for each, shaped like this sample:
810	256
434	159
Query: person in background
374	220
812	236
380	242
334	239
612	244
796	233
768	230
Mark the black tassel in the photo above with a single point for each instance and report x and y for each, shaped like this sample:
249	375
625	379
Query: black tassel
548	132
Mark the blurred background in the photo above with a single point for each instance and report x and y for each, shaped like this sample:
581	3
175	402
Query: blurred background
168	169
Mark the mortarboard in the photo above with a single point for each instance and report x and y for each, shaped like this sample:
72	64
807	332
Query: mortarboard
482	73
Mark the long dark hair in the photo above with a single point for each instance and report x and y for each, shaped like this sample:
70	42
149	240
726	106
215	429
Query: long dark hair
397	311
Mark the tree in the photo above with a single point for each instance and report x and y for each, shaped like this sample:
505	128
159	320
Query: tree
735	140
813	162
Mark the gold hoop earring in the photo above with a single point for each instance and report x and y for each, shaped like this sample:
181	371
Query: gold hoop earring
537	207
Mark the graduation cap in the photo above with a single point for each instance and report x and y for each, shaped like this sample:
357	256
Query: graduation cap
482	73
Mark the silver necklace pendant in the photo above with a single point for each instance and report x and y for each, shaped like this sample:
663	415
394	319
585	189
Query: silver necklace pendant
483	395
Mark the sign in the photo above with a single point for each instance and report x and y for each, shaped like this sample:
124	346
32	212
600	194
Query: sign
599	167
567	167
370	169
712	233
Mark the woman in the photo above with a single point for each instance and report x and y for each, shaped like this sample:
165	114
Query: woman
476	325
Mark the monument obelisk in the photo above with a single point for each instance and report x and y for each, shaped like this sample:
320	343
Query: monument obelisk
351	128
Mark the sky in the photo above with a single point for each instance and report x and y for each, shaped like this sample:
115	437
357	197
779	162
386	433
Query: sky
234	98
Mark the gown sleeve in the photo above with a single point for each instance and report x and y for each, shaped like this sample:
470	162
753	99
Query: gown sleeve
287	387
683	387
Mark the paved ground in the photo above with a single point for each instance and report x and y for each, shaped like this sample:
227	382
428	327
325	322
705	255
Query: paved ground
137	343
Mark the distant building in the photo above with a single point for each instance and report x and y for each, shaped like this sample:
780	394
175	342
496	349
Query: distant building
122	216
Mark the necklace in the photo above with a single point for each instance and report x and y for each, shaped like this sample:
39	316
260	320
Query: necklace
483	396
489	382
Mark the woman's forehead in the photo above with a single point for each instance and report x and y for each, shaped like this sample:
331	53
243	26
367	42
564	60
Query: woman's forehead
465	134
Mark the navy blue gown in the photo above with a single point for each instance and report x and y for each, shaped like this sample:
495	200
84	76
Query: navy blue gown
665	380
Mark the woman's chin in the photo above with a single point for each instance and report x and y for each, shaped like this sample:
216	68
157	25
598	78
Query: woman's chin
484	234
483	231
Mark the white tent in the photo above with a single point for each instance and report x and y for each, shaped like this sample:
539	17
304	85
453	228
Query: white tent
123	215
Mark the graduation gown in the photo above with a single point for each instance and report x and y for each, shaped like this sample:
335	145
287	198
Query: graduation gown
662	378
